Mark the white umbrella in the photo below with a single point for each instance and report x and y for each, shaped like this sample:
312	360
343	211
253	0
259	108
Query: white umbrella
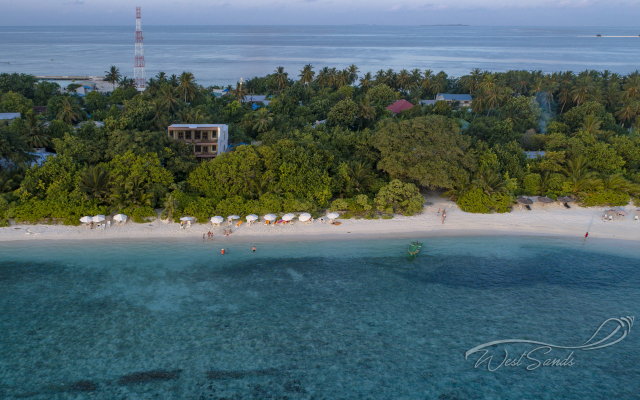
304	217
270	217
86	219
98	218
119	217
231	217
217	219
288	217
186	219
333	215
252	217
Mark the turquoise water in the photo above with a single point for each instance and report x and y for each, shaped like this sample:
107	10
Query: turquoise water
220	55
334	320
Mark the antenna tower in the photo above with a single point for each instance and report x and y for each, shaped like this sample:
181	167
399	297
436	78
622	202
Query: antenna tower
138	70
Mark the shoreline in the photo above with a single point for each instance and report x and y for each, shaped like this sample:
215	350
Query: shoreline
551	220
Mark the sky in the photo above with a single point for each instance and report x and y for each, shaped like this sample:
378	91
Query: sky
323	12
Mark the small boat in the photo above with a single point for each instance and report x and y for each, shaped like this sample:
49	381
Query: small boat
598	35
413	250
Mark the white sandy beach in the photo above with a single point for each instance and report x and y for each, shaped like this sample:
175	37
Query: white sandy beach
546	220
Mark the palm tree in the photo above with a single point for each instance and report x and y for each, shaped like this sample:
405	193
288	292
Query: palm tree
35	133
353	73
323	78
631	89
240	91
280	78
366	81
366	112
591	126
69	112
550	85
262	121
361	176
628	112
95	183
381	77
168	100
161	77
403	80
170	206
126	82
583	90
187	86
113	76
578	175
490	182
173	80
307	74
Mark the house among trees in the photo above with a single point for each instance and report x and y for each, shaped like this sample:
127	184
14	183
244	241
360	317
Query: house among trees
208	140
9	116
462	100
255	99
399	106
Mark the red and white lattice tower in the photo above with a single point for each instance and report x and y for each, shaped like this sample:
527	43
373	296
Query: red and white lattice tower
138	70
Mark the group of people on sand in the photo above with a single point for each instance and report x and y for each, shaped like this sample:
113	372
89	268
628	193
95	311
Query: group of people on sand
444	215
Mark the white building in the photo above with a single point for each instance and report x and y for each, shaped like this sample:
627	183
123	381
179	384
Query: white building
208	140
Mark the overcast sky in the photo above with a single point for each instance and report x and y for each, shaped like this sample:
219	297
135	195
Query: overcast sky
324	12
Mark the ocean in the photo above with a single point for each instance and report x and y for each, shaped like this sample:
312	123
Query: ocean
174	319
221	55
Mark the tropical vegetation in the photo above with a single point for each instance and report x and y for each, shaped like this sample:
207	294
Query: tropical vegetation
325	141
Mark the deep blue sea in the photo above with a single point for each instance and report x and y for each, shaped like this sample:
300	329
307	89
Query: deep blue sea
222	54
316	320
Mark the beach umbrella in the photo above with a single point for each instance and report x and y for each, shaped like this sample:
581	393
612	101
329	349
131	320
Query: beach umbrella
232	217
288	217
333	215
86	219
544	199
217	219
120	217
524	200
186	219
304	217
98	218
565	199
269	217
252	217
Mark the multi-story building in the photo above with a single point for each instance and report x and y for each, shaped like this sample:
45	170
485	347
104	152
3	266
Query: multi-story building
208	140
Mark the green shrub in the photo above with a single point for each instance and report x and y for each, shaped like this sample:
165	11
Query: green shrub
400	198
531	184
140	214
477	201
339	205
604	198
4	223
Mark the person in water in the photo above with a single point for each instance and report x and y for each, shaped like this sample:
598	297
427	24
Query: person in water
222	251
254	249
226	251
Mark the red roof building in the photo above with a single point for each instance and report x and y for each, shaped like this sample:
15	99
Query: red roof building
399	106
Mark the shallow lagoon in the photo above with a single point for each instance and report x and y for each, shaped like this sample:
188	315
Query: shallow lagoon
349	319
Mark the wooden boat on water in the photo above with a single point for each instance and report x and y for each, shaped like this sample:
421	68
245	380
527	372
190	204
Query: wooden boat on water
413	250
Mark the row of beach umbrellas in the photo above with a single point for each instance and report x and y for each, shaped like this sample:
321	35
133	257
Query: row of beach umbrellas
269	217
99	218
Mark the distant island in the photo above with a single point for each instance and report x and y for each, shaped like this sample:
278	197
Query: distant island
446	25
